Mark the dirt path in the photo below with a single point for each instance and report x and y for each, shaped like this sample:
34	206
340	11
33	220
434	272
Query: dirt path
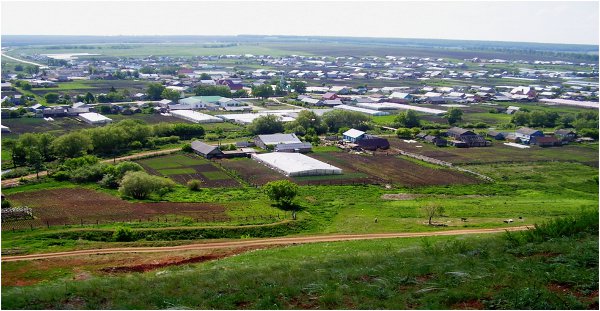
260	242
24	61
15	181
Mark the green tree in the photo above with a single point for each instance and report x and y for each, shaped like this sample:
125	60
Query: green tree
454	116
268	124
154	91
170	94
213	90
408	119
404	132
339	118
19	67
281	191
310	120
35	160
140	185
205	76
51	98
298	87
432	210
89	98
71	145
240	94
262	91
520	118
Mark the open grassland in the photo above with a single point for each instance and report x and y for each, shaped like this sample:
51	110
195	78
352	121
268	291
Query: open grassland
544	269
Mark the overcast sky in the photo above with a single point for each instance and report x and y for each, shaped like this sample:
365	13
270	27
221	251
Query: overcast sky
531	21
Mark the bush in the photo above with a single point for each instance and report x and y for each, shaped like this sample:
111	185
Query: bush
187	148
14	173
61	175
212	137
135	145
6	204
194	184
89	173
123	235
140	185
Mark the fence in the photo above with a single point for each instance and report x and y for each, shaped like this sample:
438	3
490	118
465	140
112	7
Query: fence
443	163
157	221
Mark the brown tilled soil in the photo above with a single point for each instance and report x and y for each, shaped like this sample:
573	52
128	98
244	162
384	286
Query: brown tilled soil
396	170
71	205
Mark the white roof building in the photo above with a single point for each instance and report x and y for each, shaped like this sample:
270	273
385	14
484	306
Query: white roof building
362	110
395	106
295	164
194	116
94	118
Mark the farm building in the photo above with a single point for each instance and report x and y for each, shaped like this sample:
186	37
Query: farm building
525	134
438	141
545	141
362	110
495	135
353	135
196	117
565	135
330	96
264	141
295	164
94	118
395	106
247	118
200	102
296	147
468	137
206	150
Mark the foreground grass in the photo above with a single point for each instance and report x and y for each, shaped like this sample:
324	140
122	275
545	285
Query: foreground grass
549	269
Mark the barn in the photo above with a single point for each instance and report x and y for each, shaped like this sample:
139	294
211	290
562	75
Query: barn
264	141
295	164
94	118
206	150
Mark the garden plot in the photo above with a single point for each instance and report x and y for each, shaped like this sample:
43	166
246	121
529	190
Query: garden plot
75	205
182	168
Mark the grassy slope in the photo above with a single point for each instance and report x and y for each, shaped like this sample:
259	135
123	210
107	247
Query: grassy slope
427	273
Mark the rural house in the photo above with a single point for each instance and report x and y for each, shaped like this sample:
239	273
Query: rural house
206	150
353	135
565	135
545	141
294	147
330	96
370	142
468	137
525	134
438	141
495	135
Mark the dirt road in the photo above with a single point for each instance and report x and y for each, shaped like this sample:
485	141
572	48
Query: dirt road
15	181
259	242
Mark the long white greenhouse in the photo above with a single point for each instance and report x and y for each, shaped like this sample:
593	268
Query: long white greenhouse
195	116
295	164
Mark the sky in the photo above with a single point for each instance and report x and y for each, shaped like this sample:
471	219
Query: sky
525	21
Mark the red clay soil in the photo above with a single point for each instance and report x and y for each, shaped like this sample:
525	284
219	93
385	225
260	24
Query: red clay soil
58	206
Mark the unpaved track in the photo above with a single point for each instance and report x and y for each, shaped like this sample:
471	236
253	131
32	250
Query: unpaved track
15	181
260	242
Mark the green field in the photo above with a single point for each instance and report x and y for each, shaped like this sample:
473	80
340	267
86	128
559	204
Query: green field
216	175
173	161
480	272
177	171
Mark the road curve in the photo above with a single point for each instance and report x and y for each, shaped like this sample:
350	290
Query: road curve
24	61
260	242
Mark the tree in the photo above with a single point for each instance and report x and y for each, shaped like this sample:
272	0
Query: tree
36	161
520	118
205	76
269	124
339	118
18	67
51	98
71	145
89	98
310	120
432	210
194	184
454	116
281	191
404	132
212	90
263	91
170	94
298	87
154	91
407	118
240	94
140	185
